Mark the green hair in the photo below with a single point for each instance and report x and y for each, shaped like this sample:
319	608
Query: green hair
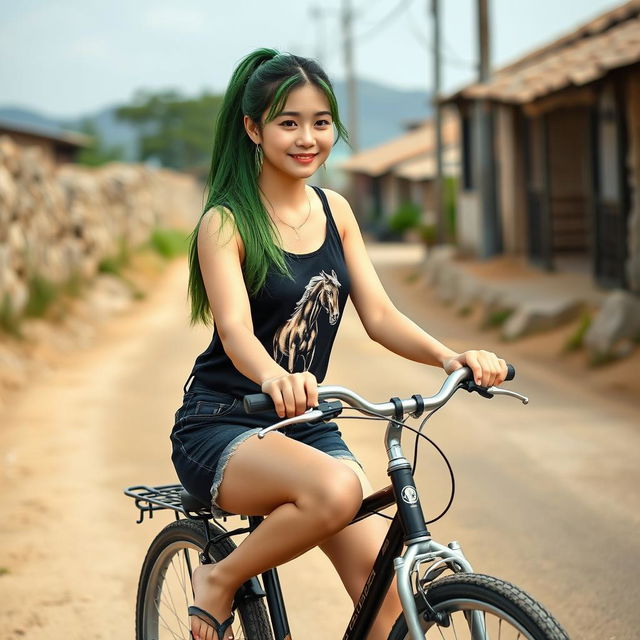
262	80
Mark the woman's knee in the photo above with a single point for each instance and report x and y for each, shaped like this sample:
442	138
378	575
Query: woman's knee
334	499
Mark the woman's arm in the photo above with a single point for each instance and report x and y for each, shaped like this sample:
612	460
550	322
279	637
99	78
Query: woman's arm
391	328
220	253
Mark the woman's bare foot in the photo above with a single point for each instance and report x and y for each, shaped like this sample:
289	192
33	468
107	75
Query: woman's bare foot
214	596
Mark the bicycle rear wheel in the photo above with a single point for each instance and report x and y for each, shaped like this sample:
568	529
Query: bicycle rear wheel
164	588
479	607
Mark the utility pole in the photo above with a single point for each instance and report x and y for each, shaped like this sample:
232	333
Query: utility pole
317	14
347	41
485	173
443	231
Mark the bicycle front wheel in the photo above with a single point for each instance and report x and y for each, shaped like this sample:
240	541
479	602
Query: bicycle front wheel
471	606
164	589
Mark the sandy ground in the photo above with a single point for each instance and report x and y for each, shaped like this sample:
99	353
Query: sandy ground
547	495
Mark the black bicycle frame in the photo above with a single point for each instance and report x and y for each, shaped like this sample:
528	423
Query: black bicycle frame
406	526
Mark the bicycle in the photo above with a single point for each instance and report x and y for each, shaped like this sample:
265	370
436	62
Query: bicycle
459	605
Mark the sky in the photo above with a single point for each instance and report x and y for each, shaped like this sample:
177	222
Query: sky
67	58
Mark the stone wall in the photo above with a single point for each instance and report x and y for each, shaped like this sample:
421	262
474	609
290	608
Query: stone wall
61	221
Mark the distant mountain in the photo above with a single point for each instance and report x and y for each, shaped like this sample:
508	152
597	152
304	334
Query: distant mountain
383	112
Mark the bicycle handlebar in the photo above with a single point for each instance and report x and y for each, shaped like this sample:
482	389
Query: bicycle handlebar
257	402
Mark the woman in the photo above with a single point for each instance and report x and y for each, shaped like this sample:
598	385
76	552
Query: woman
272	262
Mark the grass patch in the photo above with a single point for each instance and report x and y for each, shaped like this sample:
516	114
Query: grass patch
465	310
42	294
576	339
412	277
169	243
114	264
4	571
75	285
9	319
601	359
498	317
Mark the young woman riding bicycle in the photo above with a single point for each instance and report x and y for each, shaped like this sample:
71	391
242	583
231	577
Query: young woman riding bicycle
272	263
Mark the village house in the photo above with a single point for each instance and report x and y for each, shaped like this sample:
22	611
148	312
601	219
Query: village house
401	170
57	146
565	123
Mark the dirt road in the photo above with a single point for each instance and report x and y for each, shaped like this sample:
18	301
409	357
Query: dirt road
547	495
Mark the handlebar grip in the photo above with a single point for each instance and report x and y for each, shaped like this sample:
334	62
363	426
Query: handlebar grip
257	402
511	372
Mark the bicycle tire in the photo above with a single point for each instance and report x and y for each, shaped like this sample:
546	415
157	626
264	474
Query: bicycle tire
466	592
165	575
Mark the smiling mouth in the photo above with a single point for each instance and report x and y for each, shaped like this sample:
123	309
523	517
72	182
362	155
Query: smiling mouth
303	156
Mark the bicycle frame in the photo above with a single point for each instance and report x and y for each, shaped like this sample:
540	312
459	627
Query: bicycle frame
407	528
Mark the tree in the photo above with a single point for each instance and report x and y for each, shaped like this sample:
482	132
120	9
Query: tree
175	131
97	153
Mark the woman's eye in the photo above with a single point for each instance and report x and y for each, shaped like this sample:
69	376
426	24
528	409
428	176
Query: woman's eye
286	123
323	123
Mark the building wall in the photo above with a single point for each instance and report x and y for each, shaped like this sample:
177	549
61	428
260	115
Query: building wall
469	227
506	156
633	172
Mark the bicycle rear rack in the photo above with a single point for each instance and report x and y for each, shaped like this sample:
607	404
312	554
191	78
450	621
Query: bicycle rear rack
150	499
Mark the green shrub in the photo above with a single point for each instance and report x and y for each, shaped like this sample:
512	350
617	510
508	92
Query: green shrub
407	216
498	317
576	339
9	320
428	234
169	243
450	189
42	293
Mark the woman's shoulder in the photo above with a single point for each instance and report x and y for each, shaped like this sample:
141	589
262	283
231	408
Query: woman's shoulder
340	209
218	222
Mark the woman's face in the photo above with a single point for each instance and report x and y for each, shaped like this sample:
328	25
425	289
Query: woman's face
299	139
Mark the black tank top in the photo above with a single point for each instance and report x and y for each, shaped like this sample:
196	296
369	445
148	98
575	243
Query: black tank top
295	320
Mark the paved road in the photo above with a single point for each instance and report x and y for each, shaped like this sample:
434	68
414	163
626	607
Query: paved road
547	495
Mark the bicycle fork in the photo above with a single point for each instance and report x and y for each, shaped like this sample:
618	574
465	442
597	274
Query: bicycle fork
421	547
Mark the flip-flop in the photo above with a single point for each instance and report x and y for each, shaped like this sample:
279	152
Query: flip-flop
205	616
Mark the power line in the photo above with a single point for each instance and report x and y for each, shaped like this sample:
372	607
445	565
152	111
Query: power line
385	21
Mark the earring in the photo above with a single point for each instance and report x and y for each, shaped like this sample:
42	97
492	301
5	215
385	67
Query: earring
259	156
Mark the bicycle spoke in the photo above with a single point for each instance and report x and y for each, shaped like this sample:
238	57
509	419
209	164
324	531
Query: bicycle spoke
178	576
453	626
500	629
173	605
166	626
173	610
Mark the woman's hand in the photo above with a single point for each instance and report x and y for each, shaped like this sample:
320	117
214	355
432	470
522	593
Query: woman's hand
487	368
292	393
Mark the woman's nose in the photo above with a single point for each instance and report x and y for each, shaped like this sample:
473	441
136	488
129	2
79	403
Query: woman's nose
306	138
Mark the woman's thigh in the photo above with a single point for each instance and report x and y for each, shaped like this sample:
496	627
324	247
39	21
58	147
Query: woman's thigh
263	474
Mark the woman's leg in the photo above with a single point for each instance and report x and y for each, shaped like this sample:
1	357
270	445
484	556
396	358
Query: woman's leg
308	497
353	552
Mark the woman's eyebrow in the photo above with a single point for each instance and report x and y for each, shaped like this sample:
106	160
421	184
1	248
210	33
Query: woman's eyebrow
297	113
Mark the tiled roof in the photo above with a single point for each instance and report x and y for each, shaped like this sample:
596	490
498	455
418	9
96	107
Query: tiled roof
417	142
424	166
610	41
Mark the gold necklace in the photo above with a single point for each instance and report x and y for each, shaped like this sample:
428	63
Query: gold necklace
295	229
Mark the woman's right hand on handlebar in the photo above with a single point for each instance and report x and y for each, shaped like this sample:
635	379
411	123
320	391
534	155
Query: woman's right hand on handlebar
292	393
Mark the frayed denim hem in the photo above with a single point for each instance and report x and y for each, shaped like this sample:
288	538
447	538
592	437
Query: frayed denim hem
344	454
228	451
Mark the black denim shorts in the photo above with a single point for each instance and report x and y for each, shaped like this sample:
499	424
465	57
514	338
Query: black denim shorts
210	425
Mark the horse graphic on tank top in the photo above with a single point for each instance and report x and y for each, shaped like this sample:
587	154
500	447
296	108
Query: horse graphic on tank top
295	341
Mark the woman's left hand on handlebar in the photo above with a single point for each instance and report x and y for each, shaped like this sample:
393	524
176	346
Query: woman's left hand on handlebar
487	368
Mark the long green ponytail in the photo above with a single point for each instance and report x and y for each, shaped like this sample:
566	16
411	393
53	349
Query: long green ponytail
262	80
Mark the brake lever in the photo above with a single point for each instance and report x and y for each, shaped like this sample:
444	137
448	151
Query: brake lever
489	392
324	411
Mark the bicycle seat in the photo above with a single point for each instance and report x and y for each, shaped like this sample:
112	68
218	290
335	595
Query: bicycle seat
191	504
